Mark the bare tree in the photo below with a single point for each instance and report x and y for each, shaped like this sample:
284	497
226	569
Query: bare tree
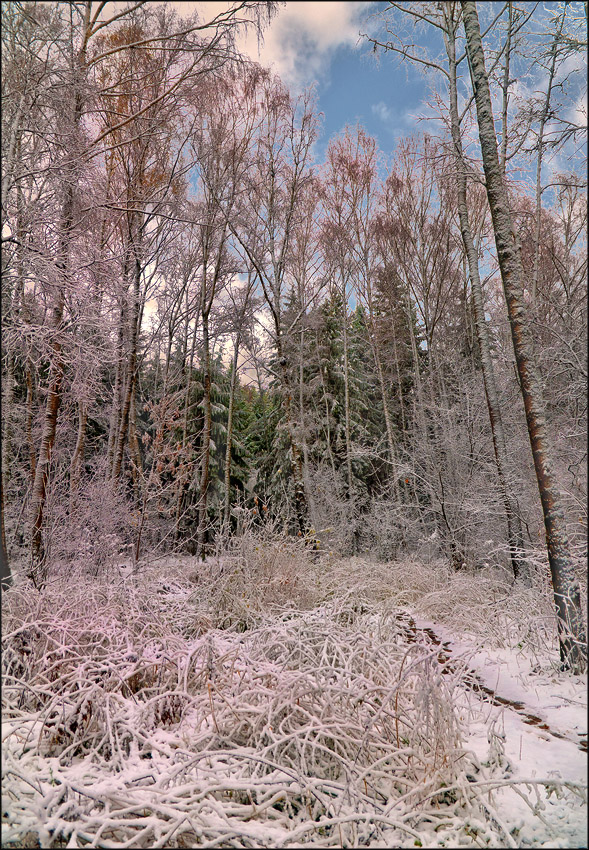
272	194
225	119
573	649
81	40
514	527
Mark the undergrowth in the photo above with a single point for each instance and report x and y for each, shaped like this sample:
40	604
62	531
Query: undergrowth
268	697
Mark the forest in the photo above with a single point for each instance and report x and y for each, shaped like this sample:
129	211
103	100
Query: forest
293	433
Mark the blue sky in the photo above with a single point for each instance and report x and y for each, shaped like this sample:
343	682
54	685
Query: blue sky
380	96
318	43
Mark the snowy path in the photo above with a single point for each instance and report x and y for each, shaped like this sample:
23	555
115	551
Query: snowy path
539	720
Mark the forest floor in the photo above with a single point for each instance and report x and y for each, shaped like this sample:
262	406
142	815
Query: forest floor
268	699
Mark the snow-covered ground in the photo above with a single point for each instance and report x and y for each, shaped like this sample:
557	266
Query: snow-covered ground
278	702
526	749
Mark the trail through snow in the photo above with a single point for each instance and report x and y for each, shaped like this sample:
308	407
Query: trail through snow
535	720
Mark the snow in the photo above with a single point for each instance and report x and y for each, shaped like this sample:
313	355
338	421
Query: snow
350	722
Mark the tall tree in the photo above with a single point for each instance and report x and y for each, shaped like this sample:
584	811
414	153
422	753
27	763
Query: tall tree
445	18
225	120
81	40
573	649
514	526
272	202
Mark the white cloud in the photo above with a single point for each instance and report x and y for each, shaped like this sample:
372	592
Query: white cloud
301	39
382	111
400	123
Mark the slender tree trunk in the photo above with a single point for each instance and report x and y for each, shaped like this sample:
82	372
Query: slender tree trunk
424	437
543	119
327	415
184	477
131	370
301	505
13	309
136	465
206	439
232	386
11	154
7	401
348	429
514	528
56	367
347	425
117	404
304	445
78	456
573	648
376	355
5	573
505	103
47	440
29	421
387	415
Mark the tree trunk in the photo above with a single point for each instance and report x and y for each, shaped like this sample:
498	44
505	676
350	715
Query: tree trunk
78	456
56	368
227	504
348	429
29	422
573	649
5	573
187	471
131	371
327	413
115	415
47	440
385	407
514	529
301	506
424	483
206	439
136	465
304	445
9	384
347	425
543	118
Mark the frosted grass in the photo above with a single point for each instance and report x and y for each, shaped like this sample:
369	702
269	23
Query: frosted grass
272	700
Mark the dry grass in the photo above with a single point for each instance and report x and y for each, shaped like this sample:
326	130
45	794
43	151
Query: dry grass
266	698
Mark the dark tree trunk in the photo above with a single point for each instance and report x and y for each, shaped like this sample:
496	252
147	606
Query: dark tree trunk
39	492
5	574
131	370
300	496
227	471
206	440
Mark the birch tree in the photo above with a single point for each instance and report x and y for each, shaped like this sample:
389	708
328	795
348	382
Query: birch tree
273	190
445	18
78	30
573	650
514	527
